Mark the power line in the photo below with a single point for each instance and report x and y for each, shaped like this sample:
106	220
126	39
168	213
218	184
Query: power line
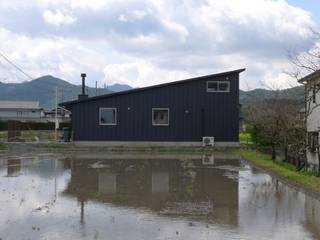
9	70
16	66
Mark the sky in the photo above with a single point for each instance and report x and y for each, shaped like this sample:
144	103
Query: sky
147	42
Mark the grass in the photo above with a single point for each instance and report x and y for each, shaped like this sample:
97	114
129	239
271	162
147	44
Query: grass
3	147
3	136
245	137
30	135
285	170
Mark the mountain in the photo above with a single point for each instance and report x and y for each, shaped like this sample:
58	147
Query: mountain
119	87
295	93
43	90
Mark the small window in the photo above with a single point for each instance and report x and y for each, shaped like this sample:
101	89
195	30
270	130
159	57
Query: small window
218	86
313	141
108	116
160	116
212	86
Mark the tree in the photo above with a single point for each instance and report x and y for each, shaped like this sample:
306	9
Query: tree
276	123
304	64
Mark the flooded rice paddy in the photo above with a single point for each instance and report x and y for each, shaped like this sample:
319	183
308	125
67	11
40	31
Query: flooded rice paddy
136	197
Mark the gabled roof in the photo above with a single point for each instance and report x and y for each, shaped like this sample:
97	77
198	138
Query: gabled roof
19	105
313	76
150	87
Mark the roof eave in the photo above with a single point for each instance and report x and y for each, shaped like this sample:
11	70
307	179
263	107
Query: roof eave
311	77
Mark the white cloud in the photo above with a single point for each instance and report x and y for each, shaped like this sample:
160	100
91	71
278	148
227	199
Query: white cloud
93	4
142	42
141	73
57	18
64	58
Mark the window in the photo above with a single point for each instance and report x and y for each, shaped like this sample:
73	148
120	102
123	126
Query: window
160	116
313	141
218	86
108	116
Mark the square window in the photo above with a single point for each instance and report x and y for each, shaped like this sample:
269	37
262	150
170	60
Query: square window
224	86
108	116
212	86
160	116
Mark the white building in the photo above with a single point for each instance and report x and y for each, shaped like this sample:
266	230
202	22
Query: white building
20	110
312	114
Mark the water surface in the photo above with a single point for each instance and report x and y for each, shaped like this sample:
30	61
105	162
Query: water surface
125	196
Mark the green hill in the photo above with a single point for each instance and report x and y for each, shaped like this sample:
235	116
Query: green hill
295	93
43	90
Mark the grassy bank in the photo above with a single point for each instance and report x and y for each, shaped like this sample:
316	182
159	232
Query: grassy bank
3	147
65	147
284	170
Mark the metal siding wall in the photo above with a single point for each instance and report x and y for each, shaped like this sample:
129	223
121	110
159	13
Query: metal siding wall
221	114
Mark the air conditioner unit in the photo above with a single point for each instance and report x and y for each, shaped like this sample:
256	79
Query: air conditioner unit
207	141
208	159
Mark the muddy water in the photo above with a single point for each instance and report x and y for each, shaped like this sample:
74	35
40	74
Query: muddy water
149	197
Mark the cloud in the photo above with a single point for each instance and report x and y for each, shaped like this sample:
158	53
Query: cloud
141	73
58	56
144	42
57	18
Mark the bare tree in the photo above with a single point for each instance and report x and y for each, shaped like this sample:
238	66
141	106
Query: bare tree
304	64
276	122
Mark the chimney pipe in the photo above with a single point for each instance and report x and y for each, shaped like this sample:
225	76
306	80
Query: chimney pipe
83	93
83	76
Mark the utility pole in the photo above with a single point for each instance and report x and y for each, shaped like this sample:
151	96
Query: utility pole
96	88
56	125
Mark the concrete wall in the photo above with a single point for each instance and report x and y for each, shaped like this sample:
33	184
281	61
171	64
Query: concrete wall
313	117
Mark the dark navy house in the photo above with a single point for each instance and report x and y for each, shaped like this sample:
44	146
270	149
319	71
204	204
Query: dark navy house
181	112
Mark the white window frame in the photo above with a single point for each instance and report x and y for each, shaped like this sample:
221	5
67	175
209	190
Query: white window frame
218	82
157	124
108	124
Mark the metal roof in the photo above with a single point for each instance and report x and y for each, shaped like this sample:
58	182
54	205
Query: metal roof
310	77
19	105
150	87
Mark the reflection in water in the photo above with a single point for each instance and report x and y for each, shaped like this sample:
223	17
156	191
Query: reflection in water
144	197
312	214
13	167
166	186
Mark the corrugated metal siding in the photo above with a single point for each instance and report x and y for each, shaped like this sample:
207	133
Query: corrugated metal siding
221	114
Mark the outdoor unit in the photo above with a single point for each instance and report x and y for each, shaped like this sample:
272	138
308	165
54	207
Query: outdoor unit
207	141
208	159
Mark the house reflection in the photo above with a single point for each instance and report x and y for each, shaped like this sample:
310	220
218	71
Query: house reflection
312	214
170	187
13	167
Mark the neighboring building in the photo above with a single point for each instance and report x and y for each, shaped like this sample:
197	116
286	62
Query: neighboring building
20	110
61	113
178	112
312	116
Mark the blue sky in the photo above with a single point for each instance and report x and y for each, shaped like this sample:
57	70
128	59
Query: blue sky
146	42
312	6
